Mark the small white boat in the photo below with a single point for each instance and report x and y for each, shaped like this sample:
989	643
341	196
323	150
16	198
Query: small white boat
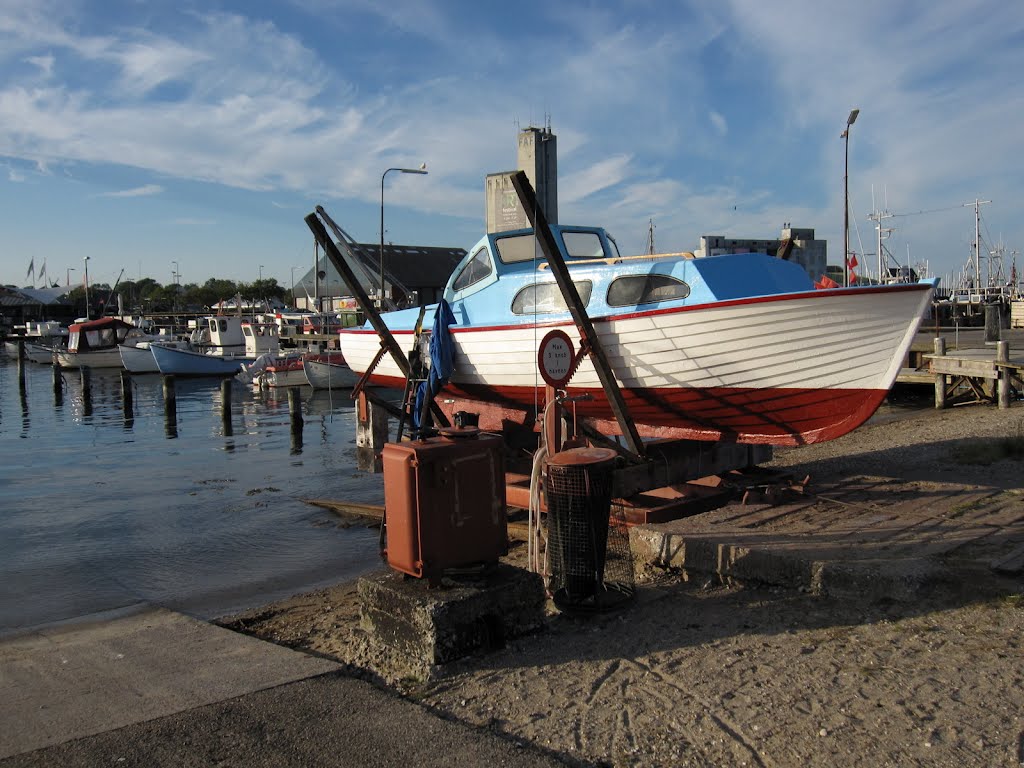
272	370
40	353
94	343
40	339
139	358
329	370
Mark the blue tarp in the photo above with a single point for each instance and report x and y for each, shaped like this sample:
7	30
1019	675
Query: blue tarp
440	358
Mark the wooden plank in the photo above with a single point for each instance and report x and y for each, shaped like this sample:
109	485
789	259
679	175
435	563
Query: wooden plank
375	512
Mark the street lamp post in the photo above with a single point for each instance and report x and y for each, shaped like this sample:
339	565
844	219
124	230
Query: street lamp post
174	282
67	278
295	301
845	135
421	170
88	315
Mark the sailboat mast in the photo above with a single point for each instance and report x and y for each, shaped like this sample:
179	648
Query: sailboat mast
316	276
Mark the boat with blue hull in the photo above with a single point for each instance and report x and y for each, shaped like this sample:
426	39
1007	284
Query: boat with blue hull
735	348
260	339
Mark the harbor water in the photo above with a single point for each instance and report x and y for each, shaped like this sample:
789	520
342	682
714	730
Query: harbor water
103	507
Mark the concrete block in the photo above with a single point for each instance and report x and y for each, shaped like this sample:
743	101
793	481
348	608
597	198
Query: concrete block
412	629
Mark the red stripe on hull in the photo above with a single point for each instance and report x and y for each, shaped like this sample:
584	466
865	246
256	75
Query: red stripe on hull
783	417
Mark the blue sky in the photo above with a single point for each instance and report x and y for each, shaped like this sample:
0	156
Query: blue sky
142	134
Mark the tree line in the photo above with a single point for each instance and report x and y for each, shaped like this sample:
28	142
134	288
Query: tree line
148	296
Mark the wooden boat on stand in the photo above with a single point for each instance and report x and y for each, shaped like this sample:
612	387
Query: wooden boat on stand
682	365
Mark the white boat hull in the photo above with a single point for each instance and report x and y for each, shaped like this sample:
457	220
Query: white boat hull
94	358
329	375
783	370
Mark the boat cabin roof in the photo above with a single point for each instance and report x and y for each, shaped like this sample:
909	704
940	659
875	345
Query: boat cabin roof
99	324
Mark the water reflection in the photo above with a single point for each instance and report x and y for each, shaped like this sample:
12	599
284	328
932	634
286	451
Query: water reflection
199	518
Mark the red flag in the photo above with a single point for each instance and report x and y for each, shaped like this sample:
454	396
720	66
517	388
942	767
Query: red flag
853	278
826	282
853	260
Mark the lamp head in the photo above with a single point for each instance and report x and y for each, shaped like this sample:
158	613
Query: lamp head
853	117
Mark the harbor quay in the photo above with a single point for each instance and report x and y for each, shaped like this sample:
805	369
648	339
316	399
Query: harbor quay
871	614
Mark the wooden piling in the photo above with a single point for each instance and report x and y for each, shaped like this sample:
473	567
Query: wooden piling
126	394
1003	385
295	412
940	378
58	385
170	407
225	405
371	434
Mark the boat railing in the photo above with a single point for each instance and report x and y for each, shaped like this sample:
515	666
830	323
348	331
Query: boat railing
620	259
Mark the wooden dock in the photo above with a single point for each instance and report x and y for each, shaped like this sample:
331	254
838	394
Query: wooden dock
989	375
969	368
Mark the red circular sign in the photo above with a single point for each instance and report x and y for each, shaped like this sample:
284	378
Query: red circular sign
555	357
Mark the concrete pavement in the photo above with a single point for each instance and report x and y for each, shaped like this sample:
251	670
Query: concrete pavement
152	687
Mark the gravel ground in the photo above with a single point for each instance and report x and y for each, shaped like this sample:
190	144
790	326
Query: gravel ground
706	675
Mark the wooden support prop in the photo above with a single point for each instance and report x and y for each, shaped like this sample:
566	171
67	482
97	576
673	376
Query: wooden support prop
940	378
588	334
331	250
1003	385
371	433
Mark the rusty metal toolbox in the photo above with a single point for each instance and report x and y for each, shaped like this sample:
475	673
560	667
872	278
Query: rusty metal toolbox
444	500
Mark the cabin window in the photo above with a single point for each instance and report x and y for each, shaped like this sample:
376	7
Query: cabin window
583	245
476	270
517	248
223	325
543	298
646	289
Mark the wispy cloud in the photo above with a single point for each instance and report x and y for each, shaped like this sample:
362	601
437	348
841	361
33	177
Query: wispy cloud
719	122
15	175
726	128
144	191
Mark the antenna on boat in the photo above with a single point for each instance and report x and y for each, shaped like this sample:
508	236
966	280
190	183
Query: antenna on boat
650	237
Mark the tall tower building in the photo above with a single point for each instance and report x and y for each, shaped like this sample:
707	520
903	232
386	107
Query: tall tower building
538	157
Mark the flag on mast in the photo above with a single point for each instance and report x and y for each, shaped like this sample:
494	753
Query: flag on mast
31	270
42	273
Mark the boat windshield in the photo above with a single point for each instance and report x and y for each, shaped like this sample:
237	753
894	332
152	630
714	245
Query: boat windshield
583	245
578	245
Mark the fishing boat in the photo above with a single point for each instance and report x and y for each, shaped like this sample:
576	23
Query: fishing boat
139	358
260	338
736	347
329	370
94	343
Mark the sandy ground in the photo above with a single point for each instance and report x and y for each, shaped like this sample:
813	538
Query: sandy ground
697	673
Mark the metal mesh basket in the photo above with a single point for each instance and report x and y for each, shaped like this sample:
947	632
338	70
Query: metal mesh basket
588	550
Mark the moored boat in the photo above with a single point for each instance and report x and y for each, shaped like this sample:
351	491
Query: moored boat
736	348
94	343
272	370
39	338
328	370
139	358
260	338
